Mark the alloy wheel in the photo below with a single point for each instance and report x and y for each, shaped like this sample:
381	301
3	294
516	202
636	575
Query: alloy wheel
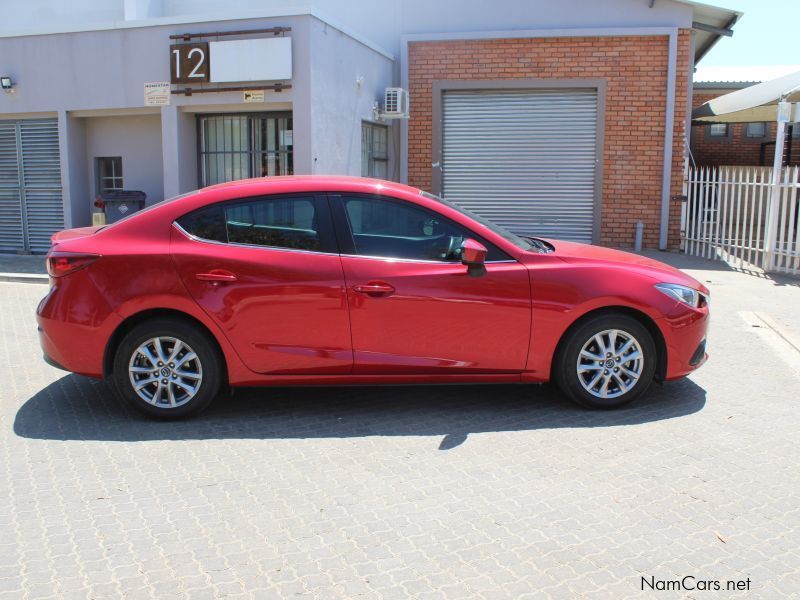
165	372
610	363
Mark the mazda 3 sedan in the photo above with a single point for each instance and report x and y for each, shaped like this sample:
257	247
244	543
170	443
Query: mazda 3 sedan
339	280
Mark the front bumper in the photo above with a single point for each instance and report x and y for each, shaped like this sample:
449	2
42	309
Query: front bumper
685	332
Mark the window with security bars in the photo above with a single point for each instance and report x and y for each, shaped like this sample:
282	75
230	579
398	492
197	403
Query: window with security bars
109	174
235	147
374	150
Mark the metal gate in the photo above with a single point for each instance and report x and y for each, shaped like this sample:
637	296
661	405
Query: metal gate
525	159
31	205
729	212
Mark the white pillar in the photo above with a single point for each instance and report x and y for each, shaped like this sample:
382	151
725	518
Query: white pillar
771	234
63	153
178	150
170	150
77	193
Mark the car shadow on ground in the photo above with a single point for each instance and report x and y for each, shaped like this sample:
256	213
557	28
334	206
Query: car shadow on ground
78	408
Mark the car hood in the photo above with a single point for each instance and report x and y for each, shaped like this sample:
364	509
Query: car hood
573	252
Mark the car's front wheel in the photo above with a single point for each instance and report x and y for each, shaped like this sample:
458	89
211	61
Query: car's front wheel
167	369
606	362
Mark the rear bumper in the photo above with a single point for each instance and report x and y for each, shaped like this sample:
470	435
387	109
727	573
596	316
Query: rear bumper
74	324
685	332
49	360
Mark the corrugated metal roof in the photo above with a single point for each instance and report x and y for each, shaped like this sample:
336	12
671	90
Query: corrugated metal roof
741	73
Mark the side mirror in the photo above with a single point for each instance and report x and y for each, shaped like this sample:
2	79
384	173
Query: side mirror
473	255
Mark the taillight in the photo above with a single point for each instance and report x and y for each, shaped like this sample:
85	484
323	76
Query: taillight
64	263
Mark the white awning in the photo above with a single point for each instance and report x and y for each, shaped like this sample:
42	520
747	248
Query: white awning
752	104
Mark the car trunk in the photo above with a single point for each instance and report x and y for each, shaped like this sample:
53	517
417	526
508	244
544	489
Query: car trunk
72	234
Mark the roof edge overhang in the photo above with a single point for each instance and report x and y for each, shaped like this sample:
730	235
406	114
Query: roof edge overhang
299	10
700	52
710	23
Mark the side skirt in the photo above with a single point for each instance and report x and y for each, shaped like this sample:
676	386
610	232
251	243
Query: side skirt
393	379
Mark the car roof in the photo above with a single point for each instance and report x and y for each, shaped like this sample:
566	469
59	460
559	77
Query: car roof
305	183
157	219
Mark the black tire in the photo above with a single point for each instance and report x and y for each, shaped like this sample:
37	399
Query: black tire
208	363
566	362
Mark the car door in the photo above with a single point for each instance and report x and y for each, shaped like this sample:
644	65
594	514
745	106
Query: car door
268	272
413	306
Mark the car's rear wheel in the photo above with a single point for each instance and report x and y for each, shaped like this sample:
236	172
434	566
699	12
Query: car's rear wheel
168	369
606	362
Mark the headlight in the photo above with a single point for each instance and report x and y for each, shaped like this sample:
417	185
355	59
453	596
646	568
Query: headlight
681	293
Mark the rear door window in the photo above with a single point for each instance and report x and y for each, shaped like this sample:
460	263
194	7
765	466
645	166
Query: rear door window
282	223
292	222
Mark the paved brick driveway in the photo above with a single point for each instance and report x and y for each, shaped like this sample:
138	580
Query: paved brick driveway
446	492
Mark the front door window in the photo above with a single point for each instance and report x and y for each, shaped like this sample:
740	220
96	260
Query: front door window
396	229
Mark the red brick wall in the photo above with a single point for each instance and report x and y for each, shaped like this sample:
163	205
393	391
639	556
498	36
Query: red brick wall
635	69
735	149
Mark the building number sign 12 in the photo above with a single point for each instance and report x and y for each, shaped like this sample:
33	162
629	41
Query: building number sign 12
189	63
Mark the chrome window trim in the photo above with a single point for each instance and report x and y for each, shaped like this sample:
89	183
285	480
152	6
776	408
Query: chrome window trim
194	238
419	260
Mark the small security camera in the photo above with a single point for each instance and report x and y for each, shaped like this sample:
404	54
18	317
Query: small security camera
6	84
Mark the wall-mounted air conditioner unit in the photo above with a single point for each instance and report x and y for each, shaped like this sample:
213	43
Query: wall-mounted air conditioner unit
395	103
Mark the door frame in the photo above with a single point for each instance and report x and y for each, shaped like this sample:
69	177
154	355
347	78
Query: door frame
275	114
440	86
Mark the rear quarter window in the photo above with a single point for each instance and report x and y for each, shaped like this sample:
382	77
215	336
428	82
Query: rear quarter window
207	223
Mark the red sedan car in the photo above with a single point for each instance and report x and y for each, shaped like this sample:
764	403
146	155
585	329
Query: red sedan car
337	280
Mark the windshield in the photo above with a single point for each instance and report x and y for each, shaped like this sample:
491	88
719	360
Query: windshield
518	241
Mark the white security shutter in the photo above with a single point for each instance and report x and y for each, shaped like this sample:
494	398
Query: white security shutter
524	159
11	238
41	175
31	208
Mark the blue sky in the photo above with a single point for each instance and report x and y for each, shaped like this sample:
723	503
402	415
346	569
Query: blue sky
768	34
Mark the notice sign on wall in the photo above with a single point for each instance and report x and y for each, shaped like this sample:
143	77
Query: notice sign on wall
156	93
254	95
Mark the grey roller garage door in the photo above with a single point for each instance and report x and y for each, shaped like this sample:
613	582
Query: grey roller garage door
524	159
31	207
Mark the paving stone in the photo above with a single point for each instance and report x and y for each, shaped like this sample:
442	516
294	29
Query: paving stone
353	493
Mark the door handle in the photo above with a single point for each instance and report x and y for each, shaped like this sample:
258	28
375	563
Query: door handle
217	276
374	288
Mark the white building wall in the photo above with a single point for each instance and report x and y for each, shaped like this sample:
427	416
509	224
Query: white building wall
137	139
347	79
381	21
83	59
100	74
